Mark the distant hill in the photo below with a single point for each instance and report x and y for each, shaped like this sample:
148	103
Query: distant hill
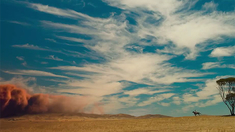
123	116
118	116
52	116
152	116
99	116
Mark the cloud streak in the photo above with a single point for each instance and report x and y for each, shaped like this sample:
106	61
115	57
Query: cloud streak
20	58
34	73
20	23
65	52
52	57
211	65
71	39
28	46
53	10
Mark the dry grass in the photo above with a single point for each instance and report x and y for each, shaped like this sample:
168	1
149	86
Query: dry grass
50	123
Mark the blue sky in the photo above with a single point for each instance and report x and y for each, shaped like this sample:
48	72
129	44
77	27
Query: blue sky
133	57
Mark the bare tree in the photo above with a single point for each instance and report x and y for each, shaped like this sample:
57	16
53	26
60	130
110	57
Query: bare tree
226	89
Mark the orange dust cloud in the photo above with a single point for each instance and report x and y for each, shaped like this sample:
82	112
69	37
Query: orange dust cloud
17	101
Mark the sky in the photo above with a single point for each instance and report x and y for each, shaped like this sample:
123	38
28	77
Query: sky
133	57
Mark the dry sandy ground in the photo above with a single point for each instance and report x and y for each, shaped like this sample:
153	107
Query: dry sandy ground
85	124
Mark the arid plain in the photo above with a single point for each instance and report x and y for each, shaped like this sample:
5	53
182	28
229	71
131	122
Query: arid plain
116	123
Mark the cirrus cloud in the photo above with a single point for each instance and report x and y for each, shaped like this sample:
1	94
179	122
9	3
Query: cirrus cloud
33	73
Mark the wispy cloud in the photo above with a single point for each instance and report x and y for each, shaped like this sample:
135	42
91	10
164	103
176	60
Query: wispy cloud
157	98
21	58
69	27
211	65
52	40
140	91
178	24
72	39
20	23
176	100
106	79
44	62
223	51
24	63
210	6
53	10
28	46
35	47
52	57
98	88
65	52
122	69
33	73
67	13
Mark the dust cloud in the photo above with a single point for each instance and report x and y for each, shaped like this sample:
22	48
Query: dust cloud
16	101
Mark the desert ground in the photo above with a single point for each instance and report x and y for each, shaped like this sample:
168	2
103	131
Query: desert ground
117	123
